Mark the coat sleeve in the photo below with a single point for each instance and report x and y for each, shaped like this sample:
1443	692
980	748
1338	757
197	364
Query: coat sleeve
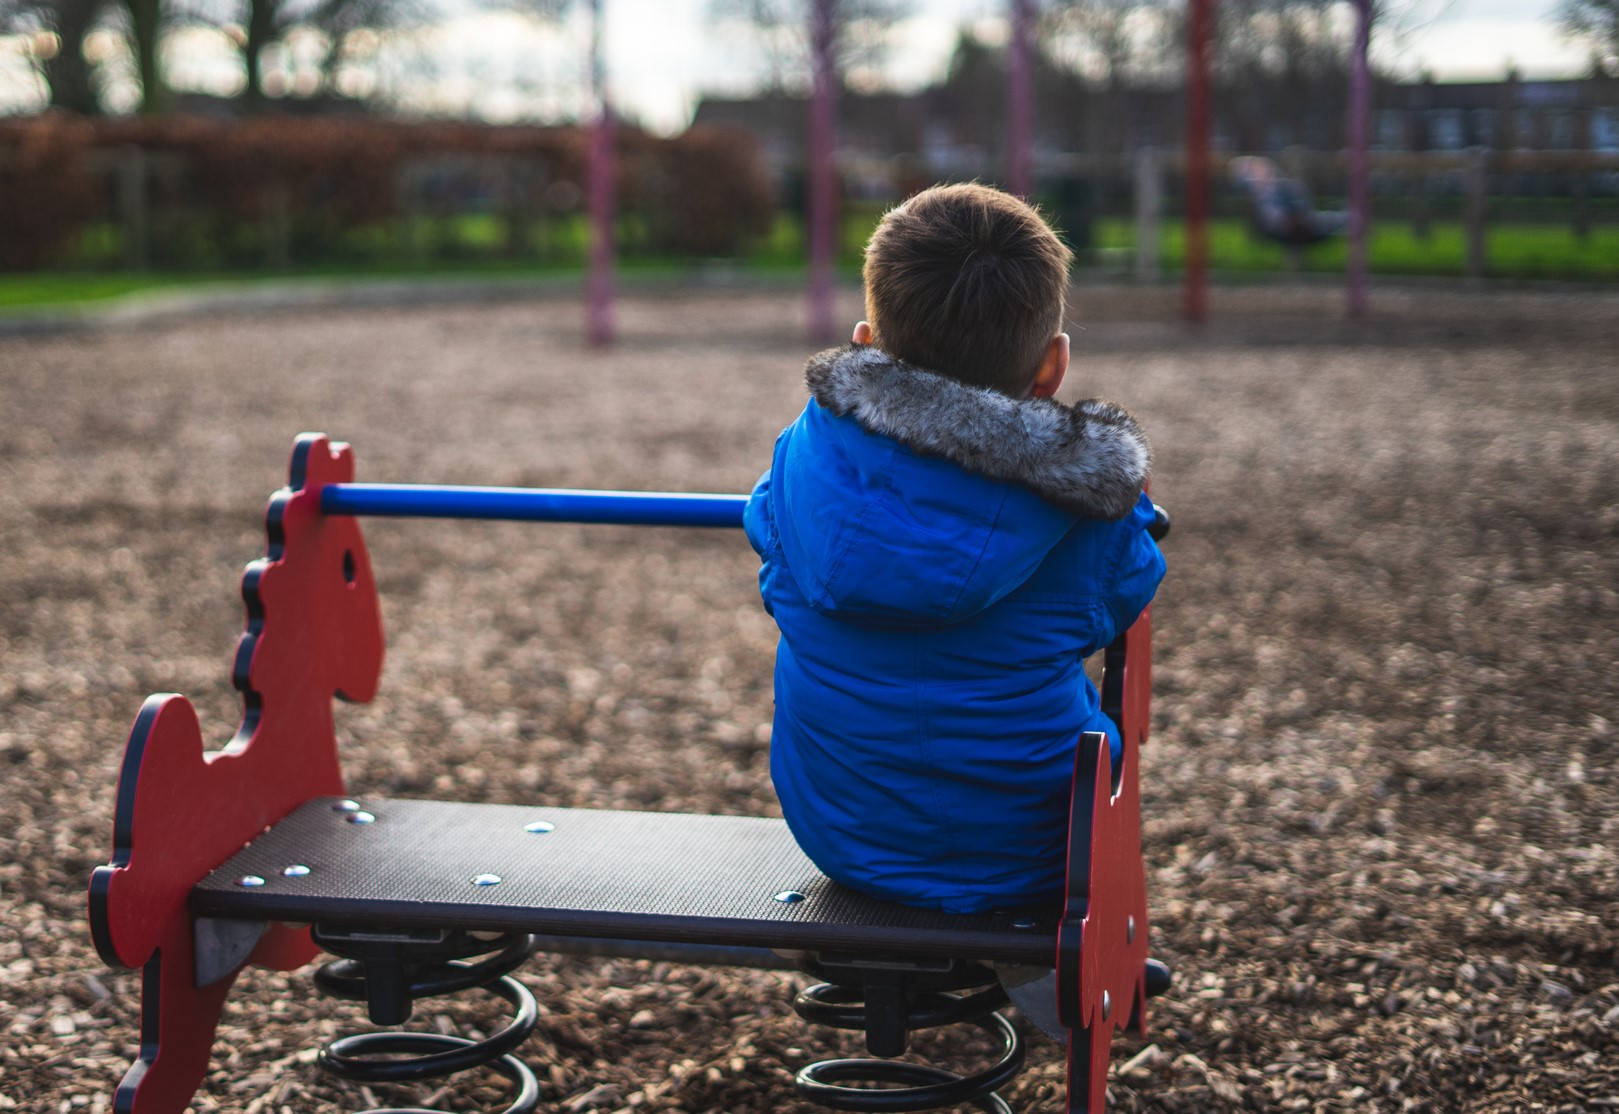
1139	571
756	516
758	522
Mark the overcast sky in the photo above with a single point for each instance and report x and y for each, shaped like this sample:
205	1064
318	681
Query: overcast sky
663	54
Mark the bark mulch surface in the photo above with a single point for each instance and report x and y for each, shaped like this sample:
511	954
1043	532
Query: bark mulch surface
1380	823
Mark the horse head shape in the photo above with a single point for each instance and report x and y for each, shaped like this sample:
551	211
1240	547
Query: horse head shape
314	626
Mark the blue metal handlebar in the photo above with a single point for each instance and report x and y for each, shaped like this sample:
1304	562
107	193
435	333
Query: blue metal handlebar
534	504
556	504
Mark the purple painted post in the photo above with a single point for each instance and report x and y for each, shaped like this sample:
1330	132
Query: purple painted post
1020	101
1360	96
823	179
599	282
1199	45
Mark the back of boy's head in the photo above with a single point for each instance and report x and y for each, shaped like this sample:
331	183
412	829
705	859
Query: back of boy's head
969	282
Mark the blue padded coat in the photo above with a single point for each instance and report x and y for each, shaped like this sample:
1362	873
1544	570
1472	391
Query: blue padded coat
940	560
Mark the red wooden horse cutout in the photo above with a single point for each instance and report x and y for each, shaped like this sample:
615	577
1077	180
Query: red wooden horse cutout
181	812
1102	939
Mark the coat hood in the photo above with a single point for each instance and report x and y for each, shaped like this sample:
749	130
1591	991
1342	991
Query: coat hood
1091	458
903	497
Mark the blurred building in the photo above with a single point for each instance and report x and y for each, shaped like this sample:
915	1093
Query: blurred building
957	128
1512	115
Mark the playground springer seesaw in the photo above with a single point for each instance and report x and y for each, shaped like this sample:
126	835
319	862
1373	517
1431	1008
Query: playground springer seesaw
254	854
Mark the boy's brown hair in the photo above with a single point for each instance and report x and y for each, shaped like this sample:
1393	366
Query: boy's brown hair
969	282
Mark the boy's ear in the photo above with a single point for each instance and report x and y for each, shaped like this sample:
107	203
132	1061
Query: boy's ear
862	333
1053	366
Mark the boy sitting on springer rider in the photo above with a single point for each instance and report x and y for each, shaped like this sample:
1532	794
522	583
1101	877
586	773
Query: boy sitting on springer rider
943	545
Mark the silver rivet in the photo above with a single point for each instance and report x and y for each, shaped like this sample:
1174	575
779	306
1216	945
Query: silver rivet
346	806
486	880
540	827
361	818
1023	922
1130	929
1107	1005
250	881
789	897
296	870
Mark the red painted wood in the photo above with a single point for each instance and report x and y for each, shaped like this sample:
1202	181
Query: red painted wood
1102	940
181	812
1138	680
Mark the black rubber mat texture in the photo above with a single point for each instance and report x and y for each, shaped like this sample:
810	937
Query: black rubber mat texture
669	877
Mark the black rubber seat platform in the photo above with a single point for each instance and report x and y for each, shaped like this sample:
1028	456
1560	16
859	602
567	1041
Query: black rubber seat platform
663	877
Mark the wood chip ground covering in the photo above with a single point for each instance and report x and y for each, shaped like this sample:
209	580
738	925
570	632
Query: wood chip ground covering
1380	800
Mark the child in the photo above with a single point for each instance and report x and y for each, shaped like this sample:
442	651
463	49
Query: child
943	546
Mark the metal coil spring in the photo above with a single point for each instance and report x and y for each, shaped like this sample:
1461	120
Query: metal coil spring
869	1084
427	971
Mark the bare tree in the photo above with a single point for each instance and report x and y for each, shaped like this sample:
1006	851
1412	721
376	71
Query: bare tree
1281	67
547	11
1284	67
769	23
257	25
780	32
1282	37
1597	23
62	65
1112	42
145	21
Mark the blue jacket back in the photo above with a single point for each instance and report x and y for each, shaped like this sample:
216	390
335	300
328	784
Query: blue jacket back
934	622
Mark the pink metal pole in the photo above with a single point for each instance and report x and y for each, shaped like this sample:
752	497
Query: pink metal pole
1020	101
599	281
1198	47
1360	96
823	183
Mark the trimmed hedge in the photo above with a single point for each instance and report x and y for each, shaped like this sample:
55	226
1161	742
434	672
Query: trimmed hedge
220	191
46	188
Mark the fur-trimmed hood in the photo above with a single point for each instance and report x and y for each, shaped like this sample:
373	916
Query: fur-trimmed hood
1090	459
901	497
